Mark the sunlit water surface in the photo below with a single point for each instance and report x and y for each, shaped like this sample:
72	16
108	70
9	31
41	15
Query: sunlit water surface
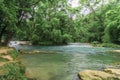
67	61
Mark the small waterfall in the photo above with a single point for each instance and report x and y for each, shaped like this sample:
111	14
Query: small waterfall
13	44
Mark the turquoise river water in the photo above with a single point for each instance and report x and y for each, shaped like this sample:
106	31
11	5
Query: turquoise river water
67	61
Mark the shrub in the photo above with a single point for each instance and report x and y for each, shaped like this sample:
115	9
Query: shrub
14	71
95	43
13	54
110	45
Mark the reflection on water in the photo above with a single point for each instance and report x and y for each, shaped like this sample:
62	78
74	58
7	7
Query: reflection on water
67	62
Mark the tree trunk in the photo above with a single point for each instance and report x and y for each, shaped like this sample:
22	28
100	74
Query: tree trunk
8	38
1	33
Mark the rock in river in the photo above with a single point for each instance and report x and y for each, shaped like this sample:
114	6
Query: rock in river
107	74
113	71
94	75
36	51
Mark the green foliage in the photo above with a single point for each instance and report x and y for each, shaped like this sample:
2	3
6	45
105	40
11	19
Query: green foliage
14	72
35	39
66	38
112	31
56	36
13	54
95	43
12	15
101	25
47	22
3	60
110	45
50	24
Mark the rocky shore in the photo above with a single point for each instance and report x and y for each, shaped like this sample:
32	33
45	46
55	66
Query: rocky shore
106	74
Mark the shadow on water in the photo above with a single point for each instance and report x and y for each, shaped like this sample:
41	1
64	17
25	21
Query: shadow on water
67	62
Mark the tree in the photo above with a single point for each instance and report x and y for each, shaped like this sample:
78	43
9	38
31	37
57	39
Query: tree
12	15
51	23
112	31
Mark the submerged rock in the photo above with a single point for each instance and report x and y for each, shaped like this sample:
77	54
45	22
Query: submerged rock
36	51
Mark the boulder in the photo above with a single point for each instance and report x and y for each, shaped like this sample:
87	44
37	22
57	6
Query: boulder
95	75
118	51
113	71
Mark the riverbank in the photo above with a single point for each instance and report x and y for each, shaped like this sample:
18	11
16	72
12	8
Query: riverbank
10	67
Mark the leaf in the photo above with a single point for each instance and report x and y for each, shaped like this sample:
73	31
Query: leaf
1	1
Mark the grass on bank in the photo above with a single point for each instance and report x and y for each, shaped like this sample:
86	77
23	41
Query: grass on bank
11	70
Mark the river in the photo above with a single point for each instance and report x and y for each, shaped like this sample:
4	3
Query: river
67	61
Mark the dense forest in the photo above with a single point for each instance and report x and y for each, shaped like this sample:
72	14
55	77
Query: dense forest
48	22
61	41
